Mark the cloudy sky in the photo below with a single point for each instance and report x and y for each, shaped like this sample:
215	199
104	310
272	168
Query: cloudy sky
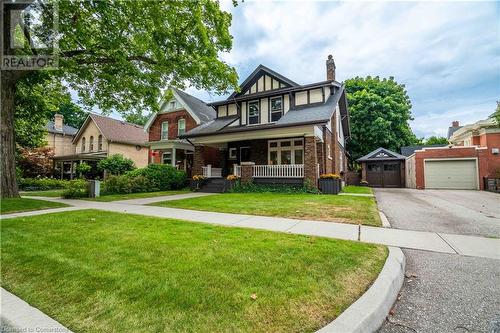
446	53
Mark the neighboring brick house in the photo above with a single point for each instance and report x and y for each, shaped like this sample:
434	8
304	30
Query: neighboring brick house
100	137
472	156
177	115
277	130
60	137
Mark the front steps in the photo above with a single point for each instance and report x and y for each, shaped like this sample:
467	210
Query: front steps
215	185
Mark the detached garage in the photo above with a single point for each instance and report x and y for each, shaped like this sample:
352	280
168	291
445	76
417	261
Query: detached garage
383	168
459	174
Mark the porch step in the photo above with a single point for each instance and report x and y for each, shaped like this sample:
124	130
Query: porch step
214	185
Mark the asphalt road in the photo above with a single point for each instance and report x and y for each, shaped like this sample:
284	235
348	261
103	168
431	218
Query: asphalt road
445	292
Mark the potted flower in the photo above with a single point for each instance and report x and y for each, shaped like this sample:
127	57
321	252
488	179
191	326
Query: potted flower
231	181
363	183
330	183
196	182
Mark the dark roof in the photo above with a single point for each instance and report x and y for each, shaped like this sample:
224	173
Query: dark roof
299	115
256	73
409	150
66	130
452	129
201	109
117	130
381	154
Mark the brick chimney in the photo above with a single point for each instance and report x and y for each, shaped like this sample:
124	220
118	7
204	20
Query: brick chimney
330	68
455	123
58	122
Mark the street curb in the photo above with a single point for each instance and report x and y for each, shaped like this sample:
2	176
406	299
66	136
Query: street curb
383	218
18	316
368	313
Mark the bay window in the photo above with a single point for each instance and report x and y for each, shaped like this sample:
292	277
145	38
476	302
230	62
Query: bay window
289	151
253	112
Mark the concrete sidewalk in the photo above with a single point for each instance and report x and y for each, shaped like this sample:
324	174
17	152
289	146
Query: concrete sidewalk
419	240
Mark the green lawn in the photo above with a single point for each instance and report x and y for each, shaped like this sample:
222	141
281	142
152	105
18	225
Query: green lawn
333	208
357	189
115	197
16	205
49	193
96	271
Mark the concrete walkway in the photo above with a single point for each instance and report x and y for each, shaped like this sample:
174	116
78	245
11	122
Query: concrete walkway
419	240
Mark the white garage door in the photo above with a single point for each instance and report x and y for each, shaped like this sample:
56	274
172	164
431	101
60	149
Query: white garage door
451	174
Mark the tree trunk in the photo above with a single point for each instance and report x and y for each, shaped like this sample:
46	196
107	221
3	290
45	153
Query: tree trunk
7	143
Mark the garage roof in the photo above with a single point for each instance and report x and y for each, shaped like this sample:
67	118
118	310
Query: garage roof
381	154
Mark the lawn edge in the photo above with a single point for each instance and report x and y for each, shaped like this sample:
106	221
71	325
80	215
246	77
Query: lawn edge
18	316
369	311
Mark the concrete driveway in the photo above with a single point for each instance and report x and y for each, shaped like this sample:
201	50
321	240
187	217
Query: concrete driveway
445	292
449	211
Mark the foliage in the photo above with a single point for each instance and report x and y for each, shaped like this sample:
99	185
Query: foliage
232	178
436	140
162	177
35	162
83	169
77	188
275	188
380	111
496	114
329	176
126	184
73	114
137	118
116	164
198	177
42	184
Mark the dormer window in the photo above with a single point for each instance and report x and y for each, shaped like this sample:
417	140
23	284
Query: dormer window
276	108
253	112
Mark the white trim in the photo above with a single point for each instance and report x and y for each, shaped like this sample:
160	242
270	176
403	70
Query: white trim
179	127
235	153
454	159
161	130
278	149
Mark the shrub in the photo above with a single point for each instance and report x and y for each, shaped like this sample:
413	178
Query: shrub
77	188
276	188
126	184
116	164
329	176
42	184
232	178
162	177
36	162
83	169
198	177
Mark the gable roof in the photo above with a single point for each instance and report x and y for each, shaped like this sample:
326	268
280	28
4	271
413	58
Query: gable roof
381	154
409	150
199	110
115	130
256	74
66	130
298	115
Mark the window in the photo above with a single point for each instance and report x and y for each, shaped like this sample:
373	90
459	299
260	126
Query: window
99	143
253	112
91	143
164	130
83	144
374	167
232	153
286	151
329	151
276	108
167	158
172	105
181	126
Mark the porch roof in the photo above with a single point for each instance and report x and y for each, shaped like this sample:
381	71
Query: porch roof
84	157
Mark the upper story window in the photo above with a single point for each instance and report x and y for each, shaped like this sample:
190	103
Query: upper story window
99	143
181	126
276	108
83	144
91	143
164	130
253	112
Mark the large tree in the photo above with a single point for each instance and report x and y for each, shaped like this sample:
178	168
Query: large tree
118	55
436	140
496	114
380	111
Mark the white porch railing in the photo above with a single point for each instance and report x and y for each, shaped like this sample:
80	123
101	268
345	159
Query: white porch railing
237	170
279	171
210	172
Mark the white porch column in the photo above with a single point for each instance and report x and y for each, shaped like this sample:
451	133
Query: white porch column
173	158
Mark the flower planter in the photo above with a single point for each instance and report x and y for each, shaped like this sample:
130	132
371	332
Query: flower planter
195	185
330	185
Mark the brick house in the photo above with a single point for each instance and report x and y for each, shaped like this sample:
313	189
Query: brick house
100	137
472	156
275	130
178	114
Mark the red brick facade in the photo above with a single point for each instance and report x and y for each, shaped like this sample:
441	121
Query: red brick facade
173	119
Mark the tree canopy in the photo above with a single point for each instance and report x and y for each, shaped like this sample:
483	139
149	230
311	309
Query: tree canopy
119	55
436	140
496	114
380	111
